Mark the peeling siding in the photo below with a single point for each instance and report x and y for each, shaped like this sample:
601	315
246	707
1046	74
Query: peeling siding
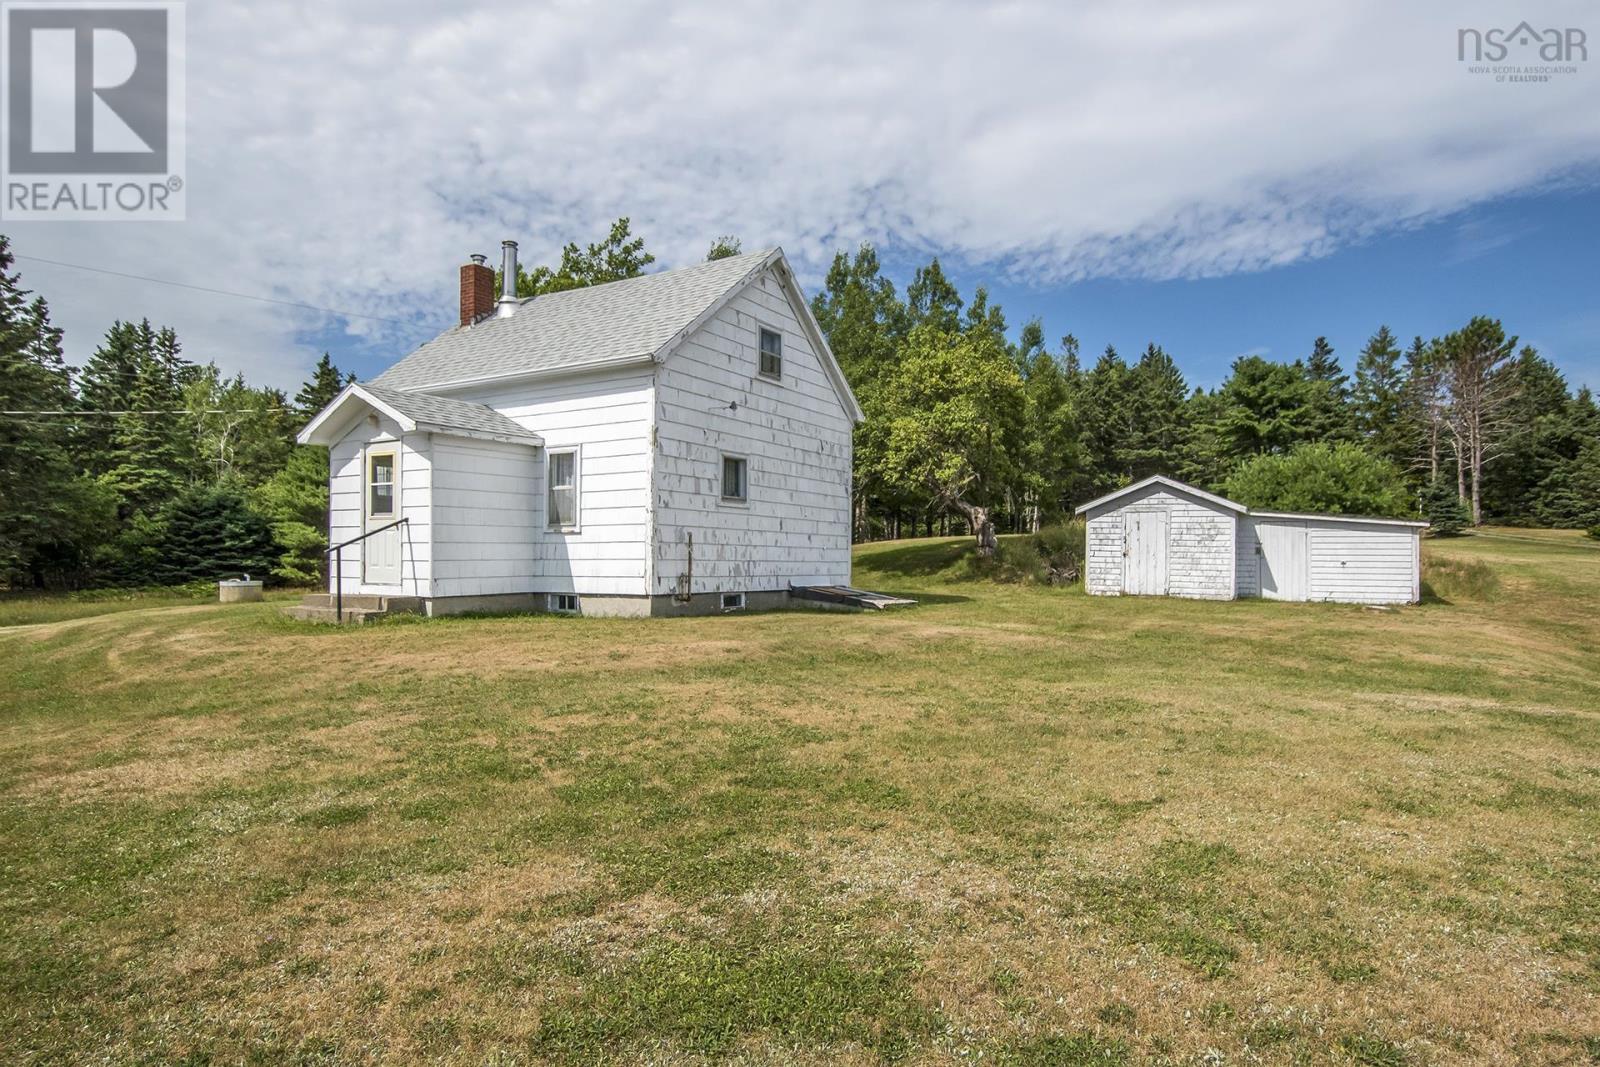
1200	544
1102	572
794	433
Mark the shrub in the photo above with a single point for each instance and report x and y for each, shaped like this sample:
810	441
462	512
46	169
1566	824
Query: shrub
1458	579
1322	479
1444	509
1594	532
1052	556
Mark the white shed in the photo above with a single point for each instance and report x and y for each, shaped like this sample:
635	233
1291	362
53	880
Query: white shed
1160	537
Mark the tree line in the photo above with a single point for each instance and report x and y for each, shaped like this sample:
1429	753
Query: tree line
143	467
1009	435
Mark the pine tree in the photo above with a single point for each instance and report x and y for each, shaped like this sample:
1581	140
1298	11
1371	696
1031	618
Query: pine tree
1442	506
1539	438
1328	400
1157	397
51	518
153	452
1381	413
318	391
1267	407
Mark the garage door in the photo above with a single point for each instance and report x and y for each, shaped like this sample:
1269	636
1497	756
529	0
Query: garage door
1285	561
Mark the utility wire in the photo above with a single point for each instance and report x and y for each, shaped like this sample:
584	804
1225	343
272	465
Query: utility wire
164	411
221	292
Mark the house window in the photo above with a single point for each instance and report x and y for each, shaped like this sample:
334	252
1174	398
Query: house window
380	485
564	603
771	353
732	601
563	473
735	490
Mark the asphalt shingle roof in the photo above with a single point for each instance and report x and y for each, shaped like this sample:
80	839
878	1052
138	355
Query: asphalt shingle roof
446	414
596	325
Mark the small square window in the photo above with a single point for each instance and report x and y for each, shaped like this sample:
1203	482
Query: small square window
771	353
732	601
564	603
735	488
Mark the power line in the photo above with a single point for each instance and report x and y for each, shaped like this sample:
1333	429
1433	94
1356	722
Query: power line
220	292
163	411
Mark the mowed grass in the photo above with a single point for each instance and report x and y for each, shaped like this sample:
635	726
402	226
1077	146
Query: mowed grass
1013	825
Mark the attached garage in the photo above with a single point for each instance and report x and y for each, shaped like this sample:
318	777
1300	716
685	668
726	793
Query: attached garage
1161	537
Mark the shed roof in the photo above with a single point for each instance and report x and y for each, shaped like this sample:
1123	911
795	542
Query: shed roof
416	411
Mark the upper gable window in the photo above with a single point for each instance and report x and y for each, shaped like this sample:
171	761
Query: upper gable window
771	353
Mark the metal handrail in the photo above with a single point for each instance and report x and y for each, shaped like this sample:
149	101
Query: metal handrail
338	562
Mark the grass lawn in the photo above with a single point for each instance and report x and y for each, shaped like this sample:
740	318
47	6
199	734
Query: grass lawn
27	609
1013	825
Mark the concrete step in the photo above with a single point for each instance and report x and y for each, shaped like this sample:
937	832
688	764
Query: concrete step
314	613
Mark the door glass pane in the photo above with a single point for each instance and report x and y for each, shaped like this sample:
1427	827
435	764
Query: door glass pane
380	484
382	500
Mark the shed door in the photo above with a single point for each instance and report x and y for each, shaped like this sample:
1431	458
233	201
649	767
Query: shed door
1145	553
1285	560
380	553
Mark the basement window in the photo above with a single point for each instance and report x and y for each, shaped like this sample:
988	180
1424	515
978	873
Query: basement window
771	353
732	601
564	603
735	483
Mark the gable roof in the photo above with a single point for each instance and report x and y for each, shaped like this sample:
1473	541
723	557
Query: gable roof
415	411
1170	483
1224	502
635	320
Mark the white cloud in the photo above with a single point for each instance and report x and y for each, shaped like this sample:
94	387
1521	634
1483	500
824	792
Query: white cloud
349	155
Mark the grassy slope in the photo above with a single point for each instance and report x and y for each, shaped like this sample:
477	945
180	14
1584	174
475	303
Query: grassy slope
1015	822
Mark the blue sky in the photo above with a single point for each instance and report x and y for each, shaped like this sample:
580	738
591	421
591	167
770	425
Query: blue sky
1532	261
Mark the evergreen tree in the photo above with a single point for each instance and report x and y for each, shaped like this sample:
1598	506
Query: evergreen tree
1328	399
1266	407
1157	398
1050	449
153	453
1442	506
203	533
295	502
1106	421
51	518
1381	414
318	391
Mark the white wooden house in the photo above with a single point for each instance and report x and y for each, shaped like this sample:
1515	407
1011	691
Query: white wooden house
1160	537
676	442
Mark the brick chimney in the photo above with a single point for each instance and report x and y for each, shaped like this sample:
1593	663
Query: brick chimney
477	290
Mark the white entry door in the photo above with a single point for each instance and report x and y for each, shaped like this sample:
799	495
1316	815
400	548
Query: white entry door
380	553
1145	553
1285	560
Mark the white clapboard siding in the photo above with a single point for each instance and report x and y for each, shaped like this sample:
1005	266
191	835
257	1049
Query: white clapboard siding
486	503
607	417
1363	563
1247	558
794	433
346	465
1199	549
